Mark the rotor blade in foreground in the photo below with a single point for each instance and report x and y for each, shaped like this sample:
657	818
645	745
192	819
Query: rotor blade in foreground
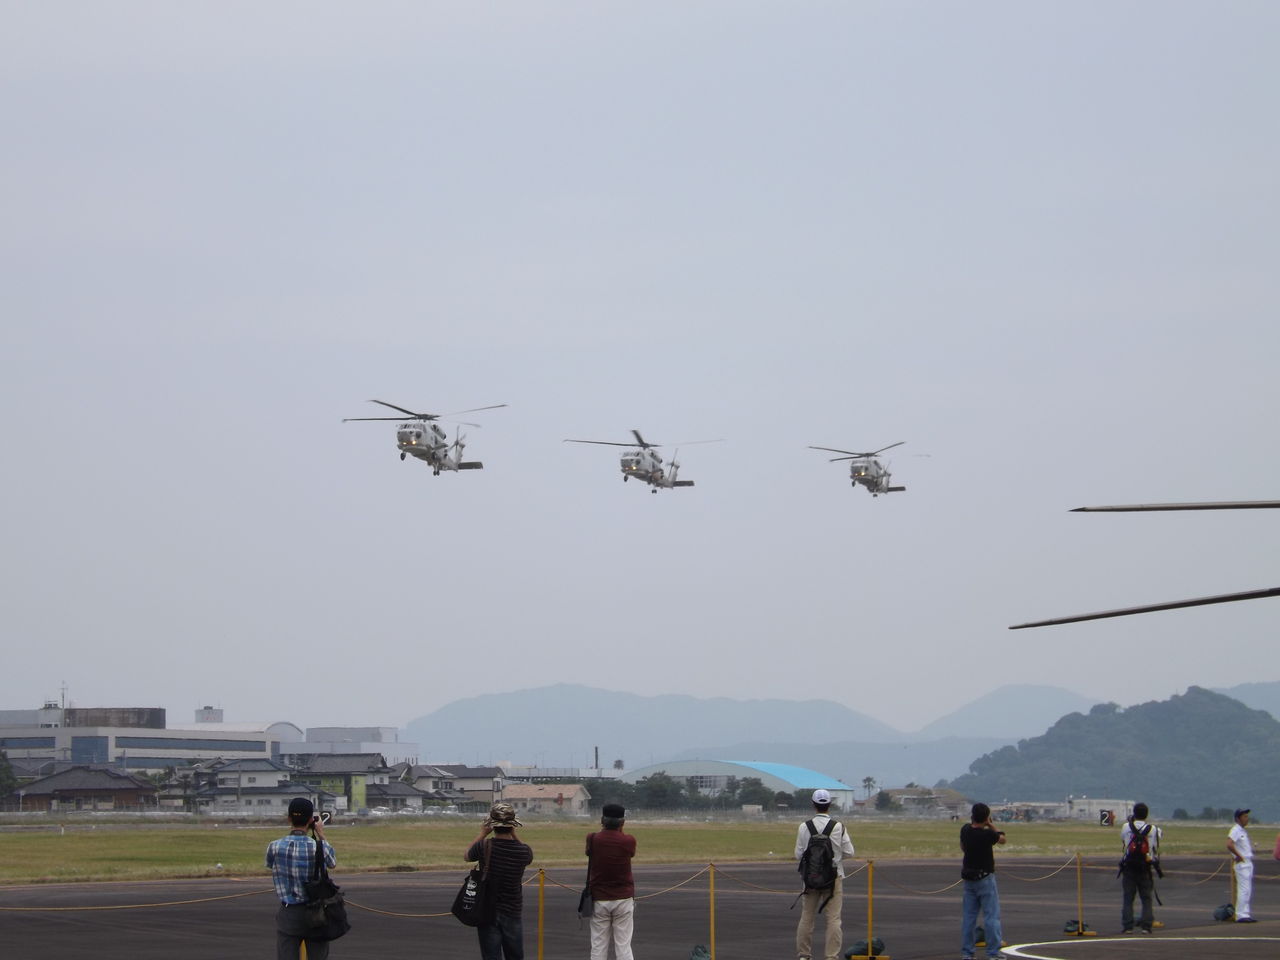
1153	607
420	416
1221	505
603	443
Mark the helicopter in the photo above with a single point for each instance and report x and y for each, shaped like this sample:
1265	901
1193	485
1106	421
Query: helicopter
1172	604
866	470
422	437
643	463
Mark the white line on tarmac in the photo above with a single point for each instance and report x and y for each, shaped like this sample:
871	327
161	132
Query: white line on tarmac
1022	950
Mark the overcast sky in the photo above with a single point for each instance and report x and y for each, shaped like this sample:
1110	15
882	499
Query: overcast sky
1036	241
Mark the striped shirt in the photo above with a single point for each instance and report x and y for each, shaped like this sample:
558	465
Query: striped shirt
290	859
505	862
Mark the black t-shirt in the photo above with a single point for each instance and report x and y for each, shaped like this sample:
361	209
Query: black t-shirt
978	844
505	868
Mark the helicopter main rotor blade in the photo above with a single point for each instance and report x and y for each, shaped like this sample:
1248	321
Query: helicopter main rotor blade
1221	505
604	443
889	447
472	410
834	450
1152	607
358	419
854	456
411	413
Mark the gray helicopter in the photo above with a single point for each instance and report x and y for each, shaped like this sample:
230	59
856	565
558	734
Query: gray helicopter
643	463
423	438
865	470
1172	604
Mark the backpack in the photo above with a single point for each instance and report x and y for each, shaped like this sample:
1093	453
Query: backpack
818	861
1137	854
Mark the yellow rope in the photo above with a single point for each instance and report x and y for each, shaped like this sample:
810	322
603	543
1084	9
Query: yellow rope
677	886
140	906
1014	876
388	913
747	883
924	893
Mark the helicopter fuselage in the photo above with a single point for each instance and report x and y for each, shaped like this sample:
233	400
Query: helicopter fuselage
644	464
872	474
426	441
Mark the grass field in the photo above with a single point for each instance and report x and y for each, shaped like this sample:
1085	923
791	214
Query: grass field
119	851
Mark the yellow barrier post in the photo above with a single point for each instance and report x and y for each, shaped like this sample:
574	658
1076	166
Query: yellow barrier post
542	906
712	872
1080	930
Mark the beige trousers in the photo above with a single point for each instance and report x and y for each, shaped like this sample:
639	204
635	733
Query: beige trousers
811	900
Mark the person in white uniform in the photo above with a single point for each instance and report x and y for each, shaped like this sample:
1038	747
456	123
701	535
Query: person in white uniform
1241	849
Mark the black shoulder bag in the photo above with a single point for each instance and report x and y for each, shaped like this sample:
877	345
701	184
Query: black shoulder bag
471	905
326	908
587	905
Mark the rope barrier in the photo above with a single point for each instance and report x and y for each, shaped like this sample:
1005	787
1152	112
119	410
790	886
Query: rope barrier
1054	873
748	883
140	906
677	886
923	893
543	877
389	913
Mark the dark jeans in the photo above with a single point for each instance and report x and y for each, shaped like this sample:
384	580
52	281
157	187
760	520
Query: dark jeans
1141	883
503	939
291	930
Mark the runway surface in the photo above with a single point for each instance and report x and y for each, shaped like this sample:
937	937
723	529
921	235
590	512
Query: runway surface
405	915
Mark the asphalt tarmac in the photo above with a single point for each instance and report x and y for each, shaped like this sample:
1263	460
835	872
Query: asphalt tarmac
405	915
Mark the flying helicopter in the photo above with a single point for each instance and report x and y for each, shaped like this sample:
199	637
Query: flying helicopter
1172	604
423	437
866	470
643	462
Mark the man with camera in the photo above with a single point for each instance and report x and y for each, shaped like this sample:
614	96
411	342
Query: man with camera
978	840
291	859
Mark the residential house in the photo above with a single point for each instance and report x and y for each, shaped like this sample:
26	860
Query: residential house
435	785
346	775
87	788
252	786
481	785
547	799
395	796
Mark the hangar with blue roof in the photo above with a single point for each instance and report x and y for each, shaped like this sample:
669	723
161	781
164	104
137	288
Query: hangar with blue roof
710	777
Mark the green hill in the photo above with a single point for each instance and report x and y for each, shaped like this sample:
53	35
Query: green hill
1201	749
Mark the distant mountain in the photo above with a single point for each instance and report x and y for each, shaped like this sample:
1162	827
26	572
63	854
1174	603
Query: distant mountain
560	725
1260	696
1008	714
1191	751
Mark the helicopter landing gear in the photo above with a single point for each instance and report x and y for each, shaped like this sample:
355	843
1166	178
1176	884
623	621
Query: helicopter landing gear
654	490
402	454
625	478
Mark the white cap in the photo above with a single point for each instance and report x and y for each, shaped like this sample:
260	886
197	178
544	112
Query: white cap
821	796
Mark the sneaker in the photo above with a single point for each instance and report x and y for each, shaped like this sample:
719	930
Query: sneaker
1245	920
1146	929
1127	930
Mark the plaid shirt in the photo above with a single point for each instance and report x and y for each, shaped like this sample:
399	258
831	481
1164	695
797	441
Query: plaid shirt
290	859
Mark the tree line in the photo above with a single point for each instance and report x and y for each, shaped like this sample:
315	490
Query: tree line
661	791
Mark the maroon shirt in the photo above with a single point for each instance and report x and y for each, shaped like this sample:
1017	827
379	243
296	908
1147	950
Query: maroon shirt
611	852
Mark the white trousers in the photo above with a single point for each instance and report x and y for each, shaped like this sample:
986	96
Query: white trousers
1244	888
611	922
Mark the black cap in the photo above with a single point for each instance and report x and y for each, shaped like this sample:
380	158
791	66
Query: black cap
614	811
301	809
1241	811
